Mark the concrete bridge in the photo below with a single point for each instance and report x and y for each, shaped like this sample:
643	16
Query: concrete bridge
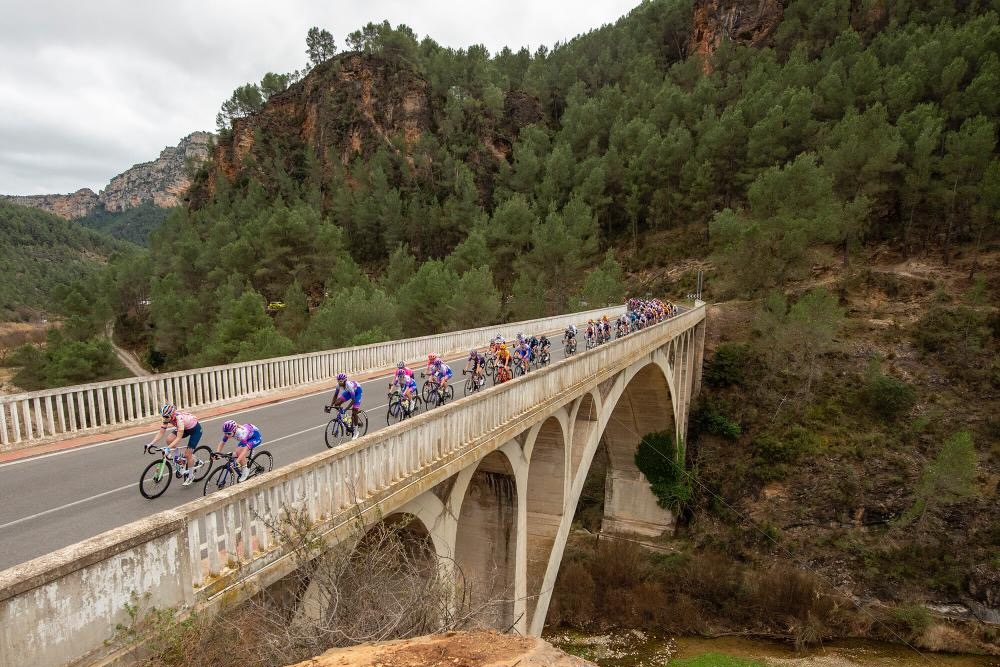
492	480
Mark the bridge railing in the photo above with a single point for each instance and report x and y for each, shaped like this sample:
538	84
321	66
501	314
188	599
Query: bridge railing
56	413
59	607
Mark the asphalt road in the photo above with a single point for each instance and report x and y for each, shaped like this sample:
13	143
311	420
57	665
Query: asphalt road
53	500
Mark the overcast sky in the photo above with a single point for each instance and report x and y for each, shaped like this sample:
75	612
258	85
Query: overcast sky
87	89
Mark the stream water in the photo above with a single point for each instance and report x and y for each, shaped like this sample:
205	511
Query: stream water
636	649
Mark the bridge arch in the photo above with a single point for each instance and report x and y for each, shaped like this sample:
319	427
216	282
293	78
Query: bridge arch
546	453
637	401
486	507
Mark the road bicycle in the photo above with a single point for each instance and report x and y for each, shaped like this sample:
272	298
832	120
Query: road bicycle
157	475
569	346
259	462
434	396
502	375
520	366
339	430
543	359
397	410
474	382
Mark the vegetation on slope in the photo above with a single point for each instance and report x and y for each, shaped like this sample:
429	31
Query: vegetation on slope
134	225
39	253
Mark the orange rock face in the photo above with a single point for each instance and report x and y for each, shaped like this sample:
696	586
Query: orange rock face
746	21
455	649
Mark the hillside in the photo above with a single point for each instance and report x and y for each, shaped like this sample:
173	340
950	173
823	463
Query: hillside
41	252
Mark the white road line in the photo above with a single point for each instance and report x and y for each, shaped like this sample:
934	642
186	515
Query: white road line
133	484
66	506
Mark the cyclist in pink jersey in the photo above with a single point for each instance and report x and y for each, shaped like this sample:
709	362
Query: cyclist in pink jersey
187	426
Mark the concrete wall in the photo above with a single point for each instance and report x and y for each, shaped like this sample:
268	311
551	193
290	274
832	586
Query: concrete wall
60	609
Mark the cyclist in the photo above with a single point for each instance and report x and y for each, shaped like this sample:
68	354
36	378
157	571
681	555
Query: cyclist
399	377
347	390
570	335
187	426
523	352
476	363
503	364
247	438
407	392
441	372
589	333
543	346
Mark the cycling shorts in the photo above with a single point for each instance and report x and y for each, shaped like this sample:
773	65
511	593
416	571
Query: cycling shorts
193	436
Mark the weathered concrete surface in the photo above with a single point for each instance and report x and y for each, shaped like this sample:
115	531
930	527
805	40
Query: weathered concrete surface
459	649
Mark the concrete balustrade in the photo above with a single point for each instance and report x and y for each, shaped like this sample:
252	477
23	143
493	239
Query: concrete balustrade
60	609
52	414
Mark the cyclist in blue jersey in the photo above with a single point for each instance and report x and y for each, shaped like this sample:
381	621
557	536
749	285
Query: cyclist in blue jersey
523	352
247	438
407	392
441	372
348	391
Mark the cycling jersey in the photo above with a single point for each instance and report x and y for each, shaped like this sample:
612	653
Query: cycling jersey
246	435
408	386
442	370
524	352
351	391
477	360
186	418
405	372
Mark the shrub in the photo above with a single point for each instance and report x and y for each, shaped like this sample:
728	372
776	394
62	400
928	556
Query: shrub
658	459
912	620
728	366
774	453
710	418
886	397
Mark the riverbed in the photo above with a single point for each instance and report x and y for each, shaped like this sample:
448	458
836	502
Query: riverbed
637	649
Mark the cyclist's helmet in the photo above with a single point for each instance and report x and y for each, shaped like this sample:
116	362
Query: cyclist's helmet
168	410
341	377
503	347
473	353
432	357
400	365
229	427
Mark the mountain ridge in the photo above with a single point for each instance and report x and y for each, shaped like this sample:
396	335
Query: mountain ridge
162	181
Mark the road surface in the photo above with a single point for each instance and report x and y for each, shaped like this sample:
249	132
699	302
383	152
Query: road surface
53	500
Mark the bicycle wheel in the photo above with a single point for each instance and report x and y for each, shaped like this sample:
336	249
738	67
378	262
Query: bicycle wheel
470	385
261	462
449	394
334	433
394	412
155	479
362	423
220	478
425	390
202	455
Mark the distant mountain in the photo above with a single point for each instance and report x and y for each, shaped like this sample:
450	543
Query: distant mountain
161	182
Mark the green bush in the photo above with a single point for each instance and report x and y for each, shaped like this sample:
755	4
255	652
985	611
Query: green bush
710	417
775	453
658	459
65	362
886	397
728	366
959	331
912	619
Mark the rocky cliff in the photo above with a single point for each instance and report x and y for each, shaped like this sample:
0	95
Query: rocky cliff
352	106
747	21
69	207
162	181
454	649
